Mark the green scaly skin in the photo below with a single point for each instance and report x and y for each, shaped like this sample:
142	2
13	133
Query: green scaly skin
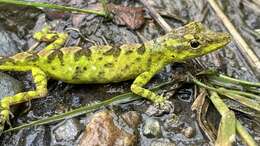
107	64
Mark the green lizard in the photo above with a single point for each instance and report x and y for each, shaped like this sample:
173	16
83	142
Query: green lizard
107	64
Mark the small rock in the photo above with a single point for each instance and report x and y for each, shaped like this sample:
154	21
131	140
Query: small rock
66	131
9	85
151	128
162	142
101	130
132	118
188	132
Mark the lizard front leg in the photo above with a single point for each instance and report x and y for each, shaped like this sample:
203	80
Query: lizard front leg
40	80
137	88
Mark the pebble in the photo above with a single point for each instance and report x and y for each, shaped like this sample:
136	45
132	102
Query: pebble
151	128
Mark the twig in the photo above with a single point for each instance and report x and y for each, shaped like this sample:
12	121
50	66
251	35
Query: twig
250	56
256	2
32	48
166	27
252	5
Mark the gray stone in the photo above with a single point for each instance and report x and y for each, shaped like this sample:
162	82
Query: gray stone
8	45
9	86
67	131
151	128
27	137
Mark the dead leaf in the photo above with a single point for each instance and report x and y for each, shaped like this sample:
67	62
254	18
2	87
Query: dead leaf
132	17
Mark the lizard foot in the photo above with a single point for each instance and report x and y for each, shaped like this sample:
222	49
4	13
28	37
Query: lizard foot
163	104
4	116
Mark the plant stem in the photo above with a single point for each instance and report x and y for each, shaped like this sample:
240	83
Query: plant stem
52	6
227	128
224	111
252	96
246	137
237	81
127	97
222	83
235	95
245	101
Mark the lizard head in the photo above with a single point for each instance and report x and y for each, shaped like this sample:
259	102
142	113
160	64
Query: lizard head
193	40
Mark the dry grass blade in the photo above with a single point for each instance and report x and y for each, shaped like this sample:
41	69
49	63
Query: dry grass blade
245	135
227	126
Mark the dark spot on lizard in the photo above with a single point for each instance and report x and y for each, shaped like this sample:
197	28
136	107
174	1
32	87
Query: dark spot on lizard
126	67
77	72
84	68
115	51
181	47
149	62
82	52
128	52
100	58
54	54
101	75
141	49
138	59
108	65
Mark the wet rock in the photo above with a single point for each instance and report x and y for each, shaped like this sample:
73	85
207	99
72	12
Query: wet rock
27	137
9	85
68	131
132	118
102	130
8	45
162	142
188	132
151	128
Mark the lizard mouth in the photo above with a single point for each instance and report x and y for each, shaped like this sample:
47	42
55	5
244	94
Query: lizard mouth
219	39
223	38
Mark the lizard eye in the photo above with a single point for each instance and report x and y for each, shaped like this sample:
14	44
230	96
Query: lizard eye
194	44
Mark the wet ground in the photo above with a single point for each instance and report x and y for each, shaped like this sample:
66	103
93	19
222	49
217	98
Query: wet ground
17	24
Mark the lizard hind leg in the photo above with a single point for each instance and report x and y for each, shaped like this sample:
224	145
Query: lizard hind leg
56	39
40	80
